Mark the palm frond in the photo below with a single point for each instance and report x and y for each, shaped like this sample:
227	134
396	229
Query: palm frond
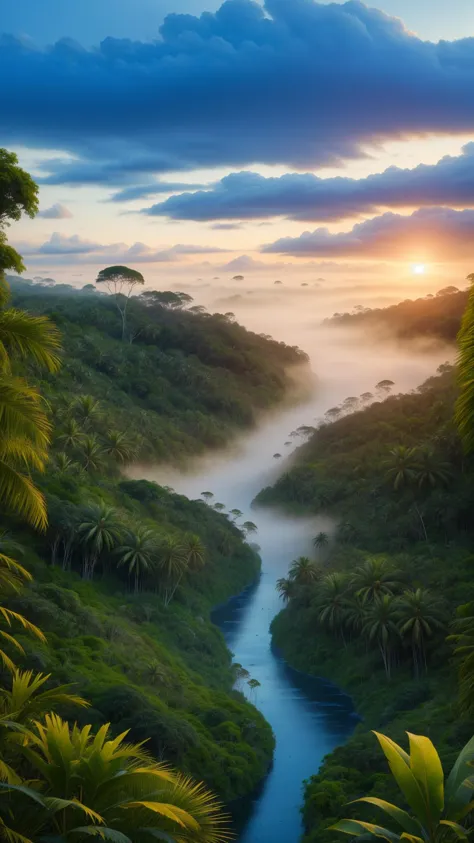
30	337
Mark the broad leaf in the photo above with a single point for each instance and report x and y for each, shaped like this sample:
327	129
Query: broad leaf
357	828
408	823
459	785
458	829
399	763
427	769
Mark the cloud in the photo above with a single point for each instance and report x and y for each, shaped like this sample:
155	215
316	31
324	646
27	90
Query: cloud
294	82
56	212
429	234
304	196
140	191
74	249
226	226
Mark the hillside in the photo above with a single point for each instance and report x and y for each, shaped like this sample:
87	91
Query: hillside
432	318
372	612
184	381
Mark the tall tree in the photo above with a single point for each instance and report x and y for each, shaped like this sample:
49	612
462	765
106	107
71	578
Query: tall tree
420	613
120	282
381	628
375	578
99	531
303	571
18	195
138	553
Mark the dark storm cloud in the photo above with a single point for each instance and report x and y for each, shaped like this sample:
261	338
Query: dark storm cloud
433	234
294	82
308	197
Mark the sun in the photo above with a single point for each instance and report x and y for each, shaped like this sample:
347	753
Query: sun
418	269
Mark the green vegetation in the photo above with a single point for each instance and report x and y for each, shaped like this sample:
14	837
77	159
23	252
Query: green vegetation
390	590
431	318
183	382
107	617
437	807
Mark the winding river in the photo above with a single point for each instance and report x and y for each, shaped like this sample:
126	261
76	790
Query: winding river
309	716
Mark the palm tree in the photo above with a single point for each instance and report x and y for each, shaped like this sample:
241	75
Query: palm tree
138	553
381	627
332	603
98	531
285	588
401	466
86	408
119	447
303	571
375	578
437	806
95	785
71	435
321	540
13	577
25	428
172	561
355	614
194	550
430	470
91	454
420	614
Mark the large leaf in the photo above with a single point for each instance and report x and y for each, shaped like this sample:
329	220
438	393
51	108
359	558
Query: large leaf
427	769
399	763
460	832
459	785
101	832
408	823
172	812
357	828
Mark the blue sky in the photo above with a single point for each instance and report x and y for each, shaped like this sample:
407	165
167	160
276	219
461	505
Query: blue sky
285	128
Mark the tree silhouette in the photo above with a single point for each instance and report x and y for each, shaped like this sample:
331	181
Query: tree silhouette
120	282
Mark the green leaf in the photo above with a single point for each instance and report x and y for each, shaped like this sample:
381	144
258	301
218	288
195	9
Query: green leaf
357	828
458	829
408	823
102	833
459	785
427	769
399	763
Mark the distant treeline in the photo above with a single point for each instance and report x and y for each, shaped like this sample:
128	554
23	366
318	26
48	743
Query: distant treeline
432	317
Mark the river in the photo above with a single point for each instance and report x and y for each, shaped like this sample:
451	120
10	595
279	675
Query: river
309	716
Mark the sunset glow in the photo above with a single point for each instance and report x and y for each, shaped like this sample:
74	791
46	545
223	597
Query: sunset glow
419	269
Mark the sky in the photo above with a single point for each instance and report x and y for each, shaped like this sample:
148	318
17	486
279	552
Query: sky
195	139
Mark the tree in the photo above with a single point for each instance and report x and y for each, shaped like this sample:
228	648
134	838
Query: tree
381	627
401	466
321	540
430	470
117	446
384	386
99	531
138	553
166	299
18	195
13	577
99	786
236	513
249	528
303	571
207	496
437	806
332	603
71	435
86	408
120	282
286	588
375	578
91	453
194	550
172	561
419	615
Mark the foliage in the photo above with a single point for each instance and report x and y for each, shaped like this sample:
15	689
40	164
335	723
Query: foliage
437	807
18	194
